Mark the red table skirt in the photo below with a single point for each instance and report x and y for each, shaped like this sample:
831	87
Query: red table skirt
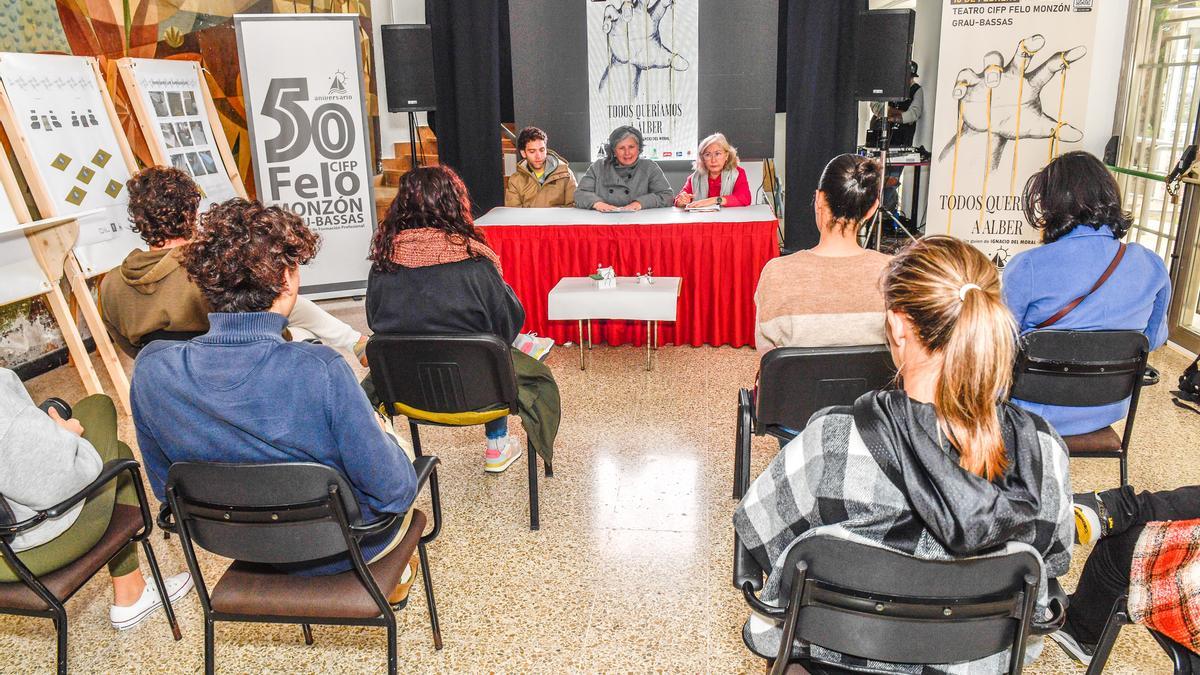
719	263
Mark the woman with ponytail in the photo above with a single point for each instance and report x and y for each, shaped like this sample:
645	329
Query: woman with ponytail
940	468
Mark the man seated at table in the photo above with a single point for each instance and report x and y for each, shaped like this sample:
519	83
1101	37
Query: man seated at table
542	178
621	180
240	393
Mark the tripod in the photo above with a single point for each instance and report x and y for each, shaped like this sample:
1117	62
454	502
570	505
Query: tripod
875	225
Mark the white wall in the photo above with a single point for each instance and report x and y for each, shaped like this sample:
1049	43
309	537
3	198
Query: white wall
393	127
1106	74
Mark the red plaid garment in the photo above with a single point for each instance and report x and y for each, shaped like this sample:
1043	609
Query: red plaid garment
1164	581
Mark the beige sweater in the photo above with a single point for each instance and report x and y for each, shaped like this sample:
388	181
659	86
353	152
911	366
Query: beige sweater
807	300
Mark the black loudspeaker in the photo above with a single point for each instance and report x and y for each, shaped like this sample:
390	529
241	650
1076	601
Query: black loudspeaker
883	42
408	67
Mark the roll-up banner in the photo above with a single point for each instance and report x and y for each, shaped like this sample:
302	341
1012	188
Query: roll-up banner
303	87
642	71
1013	85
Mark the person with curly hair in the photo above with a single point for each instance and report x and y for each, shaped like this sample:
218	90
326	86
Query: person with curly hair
240	393
1076	204
432	272
149	297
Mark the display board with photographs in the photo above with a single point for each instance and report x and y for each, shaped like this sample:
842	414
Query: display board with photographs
175	113
72	154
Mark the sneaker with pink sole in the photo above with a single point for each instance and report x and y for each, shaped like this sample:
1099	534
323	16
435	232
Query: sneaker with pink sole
496	461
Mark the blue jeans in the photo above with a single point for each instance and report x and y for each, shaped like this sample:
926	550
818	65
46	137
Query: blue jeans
497	428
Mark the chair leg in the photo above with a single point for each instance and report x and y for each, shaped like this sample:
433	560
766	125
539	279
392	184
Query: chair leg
1124	468
307	631
60	627
531	460
737	450
156	573
1116	618
209	660
391	638
416	437
427	580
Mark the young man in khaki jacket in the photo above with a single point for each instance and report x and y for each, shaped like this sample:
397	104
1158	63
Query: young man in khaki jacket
542	179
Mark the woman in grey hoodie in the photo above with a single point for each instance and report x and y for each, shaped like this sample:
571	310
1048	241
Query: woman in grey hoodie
45	459
621	179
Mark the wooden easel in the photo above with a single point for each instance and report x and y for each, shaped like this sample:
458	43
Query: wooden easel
147	121
53	246
50	246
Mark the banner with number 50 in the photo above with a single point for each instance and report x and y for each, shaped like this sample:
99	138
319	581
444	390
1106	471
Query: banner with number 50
305	108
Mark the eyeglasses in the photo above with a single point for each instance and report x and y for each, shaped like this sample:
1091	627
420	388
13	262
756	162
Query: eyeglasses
713	155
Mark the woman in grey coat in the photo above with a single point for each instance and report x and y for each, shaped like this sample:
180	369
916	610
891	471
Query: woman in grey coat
621	180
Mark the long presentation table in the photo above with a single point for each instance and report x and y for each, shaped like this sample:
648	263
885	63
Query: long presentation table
718	255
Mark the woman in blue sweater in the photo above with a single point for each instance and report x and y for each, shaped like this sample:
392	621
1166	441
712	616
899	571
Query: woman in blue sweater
1076	204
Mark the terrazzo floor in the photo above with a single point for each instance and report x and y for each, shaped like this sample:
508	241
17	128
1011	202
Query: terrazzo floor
630	572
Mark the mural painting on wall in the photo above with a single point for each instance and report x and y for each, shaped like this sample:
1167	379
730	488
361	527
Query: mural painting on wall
198	30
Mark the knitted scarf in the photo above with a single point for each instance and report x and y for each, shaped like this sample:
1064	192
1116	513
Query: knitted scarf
427	246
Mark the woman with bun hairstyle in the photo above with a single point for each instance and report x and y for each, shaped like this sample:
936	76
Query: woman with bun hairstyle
941	468
828	295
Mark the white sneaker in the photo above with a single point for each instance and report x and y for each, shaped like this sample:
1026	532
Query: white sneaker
1077	650
124	618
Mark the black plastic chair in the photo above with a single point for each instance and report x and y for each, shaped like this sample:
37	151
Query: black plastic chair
449	380
794	383
46	596
265	515
1085	368
844	596
1183	661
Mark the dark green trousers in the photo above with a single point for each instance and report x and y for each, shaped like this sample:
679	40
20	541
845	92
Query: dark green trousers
99	419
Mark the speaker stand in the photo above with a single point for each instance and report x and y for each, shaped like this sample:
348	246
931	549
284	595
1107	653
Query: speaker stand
876	225
412	139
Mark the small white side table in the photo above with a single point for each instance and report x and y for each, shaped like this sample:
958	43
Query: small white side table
578	299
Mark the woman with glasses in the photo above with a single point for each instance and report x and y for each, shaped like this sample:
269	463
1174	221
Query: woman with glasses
716	177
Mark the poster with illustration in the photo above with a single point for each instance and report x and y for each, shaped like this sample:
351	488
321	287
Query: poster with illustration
170	92
61	111
23	277
1013	85
642	71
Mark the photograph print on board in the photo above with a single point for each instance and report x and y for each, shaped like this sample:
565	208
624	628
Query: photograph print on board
198	136
159	100
189	103
210	164
175	99
168	134
196	165
180	162
184	134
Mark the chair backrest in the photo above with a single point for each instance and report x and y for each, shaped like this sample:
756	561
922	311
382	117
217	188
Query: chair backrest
443	373
795	382
264	513
1079	368
878	604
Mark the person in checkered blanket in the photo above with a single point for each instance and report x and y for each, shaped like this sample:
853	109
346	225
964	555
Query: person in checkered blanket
1146	548
942	468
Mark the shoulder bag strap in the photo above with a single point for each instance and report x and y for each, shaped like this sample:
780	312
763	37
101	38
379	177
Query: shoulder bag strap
1112	266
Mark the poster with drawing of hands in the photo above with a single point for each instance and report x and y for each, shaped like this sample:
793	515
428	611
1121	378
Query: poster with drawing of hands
1017	109
1013	89
74	151
642	71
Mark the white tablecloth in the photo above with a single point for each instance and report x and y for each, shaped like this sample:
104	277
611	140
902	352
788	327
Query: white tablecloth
575	298
566	216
